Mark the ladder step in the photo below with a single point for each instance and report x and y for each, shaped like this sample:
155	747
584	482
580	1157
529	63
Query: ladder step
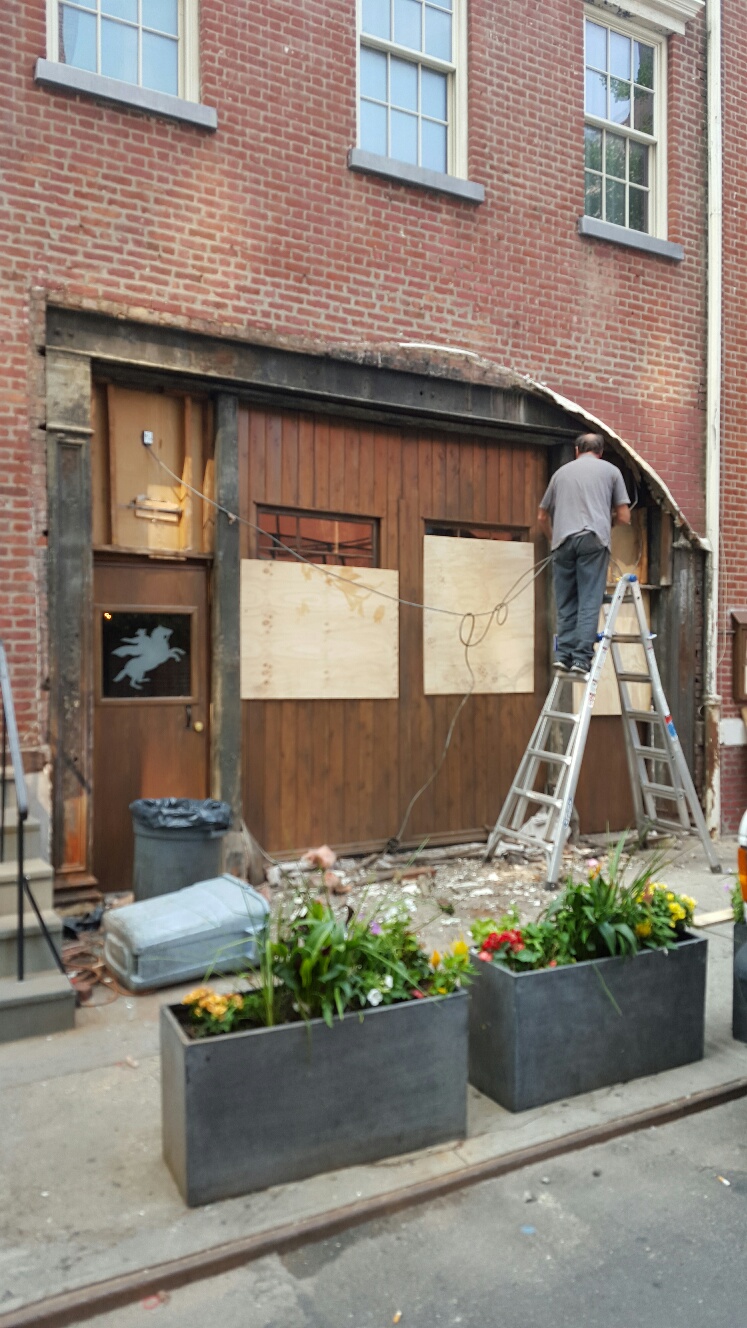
560	714
662	823
558	757
628	638
652	753
520	838
667	791
634	677
644	716
544	798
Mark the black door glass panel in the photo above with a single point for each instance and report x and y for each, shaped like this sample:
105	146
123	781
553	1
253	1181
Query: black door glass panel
145	654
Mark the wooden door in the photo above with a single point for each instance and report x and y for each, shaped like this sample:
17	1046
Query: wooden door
151	698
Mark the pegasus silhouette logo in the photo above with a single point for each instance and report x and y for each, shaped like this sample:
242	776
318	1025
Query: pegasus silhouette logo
147	651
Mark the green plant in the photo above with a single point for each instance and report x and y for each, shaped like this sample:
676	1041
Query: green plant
737	903
599	916
321	963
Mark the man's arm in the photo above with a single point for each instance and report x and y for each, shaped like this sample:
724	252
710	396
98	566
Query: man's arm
621	515
544	522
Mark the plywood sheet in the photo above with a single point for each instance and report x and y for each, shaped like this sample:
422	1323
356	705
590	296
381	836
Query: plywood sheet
310	635
629	549
471	576
608	695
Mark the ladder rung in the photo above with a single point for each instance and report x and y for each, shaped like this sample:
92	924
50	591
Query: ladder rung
628	638
520	838
634	677
644	716
652	753
544	798
667	791
558	757
662	823
560	714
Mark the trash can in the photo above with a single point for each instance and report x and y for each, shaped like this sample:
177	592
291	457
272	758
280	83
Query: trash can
178	841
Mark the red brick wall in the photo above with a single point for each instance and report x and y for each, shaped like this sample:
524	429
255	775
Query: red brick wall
734	403
261	230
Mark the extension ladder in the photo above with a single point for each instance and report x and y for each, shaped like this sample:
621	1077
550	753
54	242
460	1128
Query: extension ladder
657	766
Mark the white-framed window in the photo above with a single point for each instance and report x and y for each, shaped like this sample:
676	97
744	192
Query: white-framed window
151	44
625	125
412	82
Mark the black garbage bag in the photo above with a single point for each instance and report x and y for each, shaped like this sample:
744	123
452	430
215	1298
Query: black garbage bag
181	813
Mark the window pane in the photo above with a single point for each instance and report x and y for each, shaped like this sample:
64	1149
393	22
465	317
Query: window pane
638	210
78	39
643	64
403	84
375	18
373	74
615	156
87	4
638	163
615	194
405	137
433	94
161	14
438	33
593	201
619	55
596	45
160	63
593	148
596	94
119	51
433	142
644	111
619	101
120	9
407	23
373	128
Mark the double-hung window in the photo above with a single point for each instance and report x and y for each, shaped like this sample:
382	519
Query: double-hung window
625	158
142	53
411	83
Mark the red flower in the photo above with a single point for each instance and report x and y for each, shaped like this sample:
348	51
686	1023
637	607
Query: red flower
419	995
486	956
553	963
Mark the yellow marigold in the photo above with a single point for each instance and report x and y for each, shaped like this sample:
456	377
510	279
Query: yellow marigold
677	912
435	959
197	996
460	948
688	899
643	928
670	896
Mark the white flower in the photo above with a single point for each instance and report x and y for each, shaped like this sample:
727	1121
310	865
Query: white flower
388	982
374	996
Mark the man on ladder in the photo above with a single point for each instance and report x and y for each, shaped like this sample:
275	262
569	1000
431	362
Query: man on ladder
583	500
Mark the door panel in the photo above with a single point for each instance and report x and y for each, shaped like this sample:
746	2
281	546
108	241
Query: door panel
151	708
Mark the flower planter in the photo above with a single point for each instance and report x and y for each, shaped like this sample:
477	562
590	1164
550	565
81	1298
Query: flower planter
552	1033
247	1110
739	1009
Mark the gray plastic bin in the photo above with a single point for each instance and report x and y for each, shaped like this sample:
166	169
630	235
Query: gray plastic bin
178	841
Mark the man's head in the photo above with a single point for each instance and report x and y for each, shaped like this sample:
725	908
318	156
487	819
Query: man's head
589	442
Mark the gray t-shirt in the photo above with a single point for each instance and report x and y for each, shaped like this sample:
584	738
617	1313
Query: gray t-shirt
581	496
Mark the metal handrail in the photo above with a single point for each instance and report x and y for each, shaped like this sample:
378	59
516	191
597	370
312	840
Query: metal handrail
11	744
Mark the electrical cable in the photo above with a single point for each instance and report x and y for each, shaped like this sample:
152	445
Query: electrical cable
467	621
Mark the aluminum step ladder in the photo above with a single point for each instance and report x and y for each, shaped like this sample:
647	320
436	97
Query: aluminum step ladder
656	764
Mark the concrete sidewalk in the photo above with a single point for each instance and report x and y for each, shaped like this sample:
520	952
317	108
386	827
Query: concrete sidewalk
87	1196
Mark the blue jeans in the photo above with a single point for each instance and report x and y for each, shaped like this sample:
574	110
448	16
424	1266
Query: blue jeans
580	575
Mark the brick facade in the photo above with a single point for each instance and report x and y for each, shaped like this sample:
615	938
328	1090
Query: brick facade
261	231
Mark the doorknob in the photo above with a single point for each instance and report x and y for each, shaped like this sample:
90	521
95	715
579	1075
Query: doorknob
198	726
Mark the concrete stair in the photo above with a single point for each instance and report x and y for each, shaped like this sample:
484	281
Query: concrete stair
44	1002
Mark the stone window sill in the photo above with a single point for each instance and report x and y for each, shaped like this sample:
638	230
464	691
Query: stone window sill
649	244
371	164
65	78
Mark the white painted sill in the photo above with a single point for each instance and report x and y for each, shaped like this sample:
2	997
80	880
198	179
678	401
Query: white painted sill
400	171
649	244
65	78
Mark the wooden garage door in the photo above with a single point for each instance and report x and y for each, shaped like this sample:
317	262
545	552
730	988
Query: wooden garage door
344	771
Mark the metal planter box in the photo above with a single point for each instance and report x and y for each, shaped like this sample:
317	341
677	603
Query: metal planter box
739	1009
258	1108
538	1036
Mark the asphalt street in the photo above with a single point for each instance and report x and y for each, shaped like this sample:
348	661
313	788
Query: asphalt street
642	1232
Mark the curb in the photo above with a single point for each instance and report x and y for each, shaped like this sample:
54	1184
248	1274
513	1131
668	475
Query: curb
74	1307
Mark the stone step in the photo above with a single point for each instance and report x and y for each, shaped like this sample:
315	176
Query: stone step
40	876
43	1003
37	958
32	845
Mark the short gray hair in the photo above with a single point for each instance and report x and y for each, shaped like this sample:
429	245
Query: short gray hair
590	442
